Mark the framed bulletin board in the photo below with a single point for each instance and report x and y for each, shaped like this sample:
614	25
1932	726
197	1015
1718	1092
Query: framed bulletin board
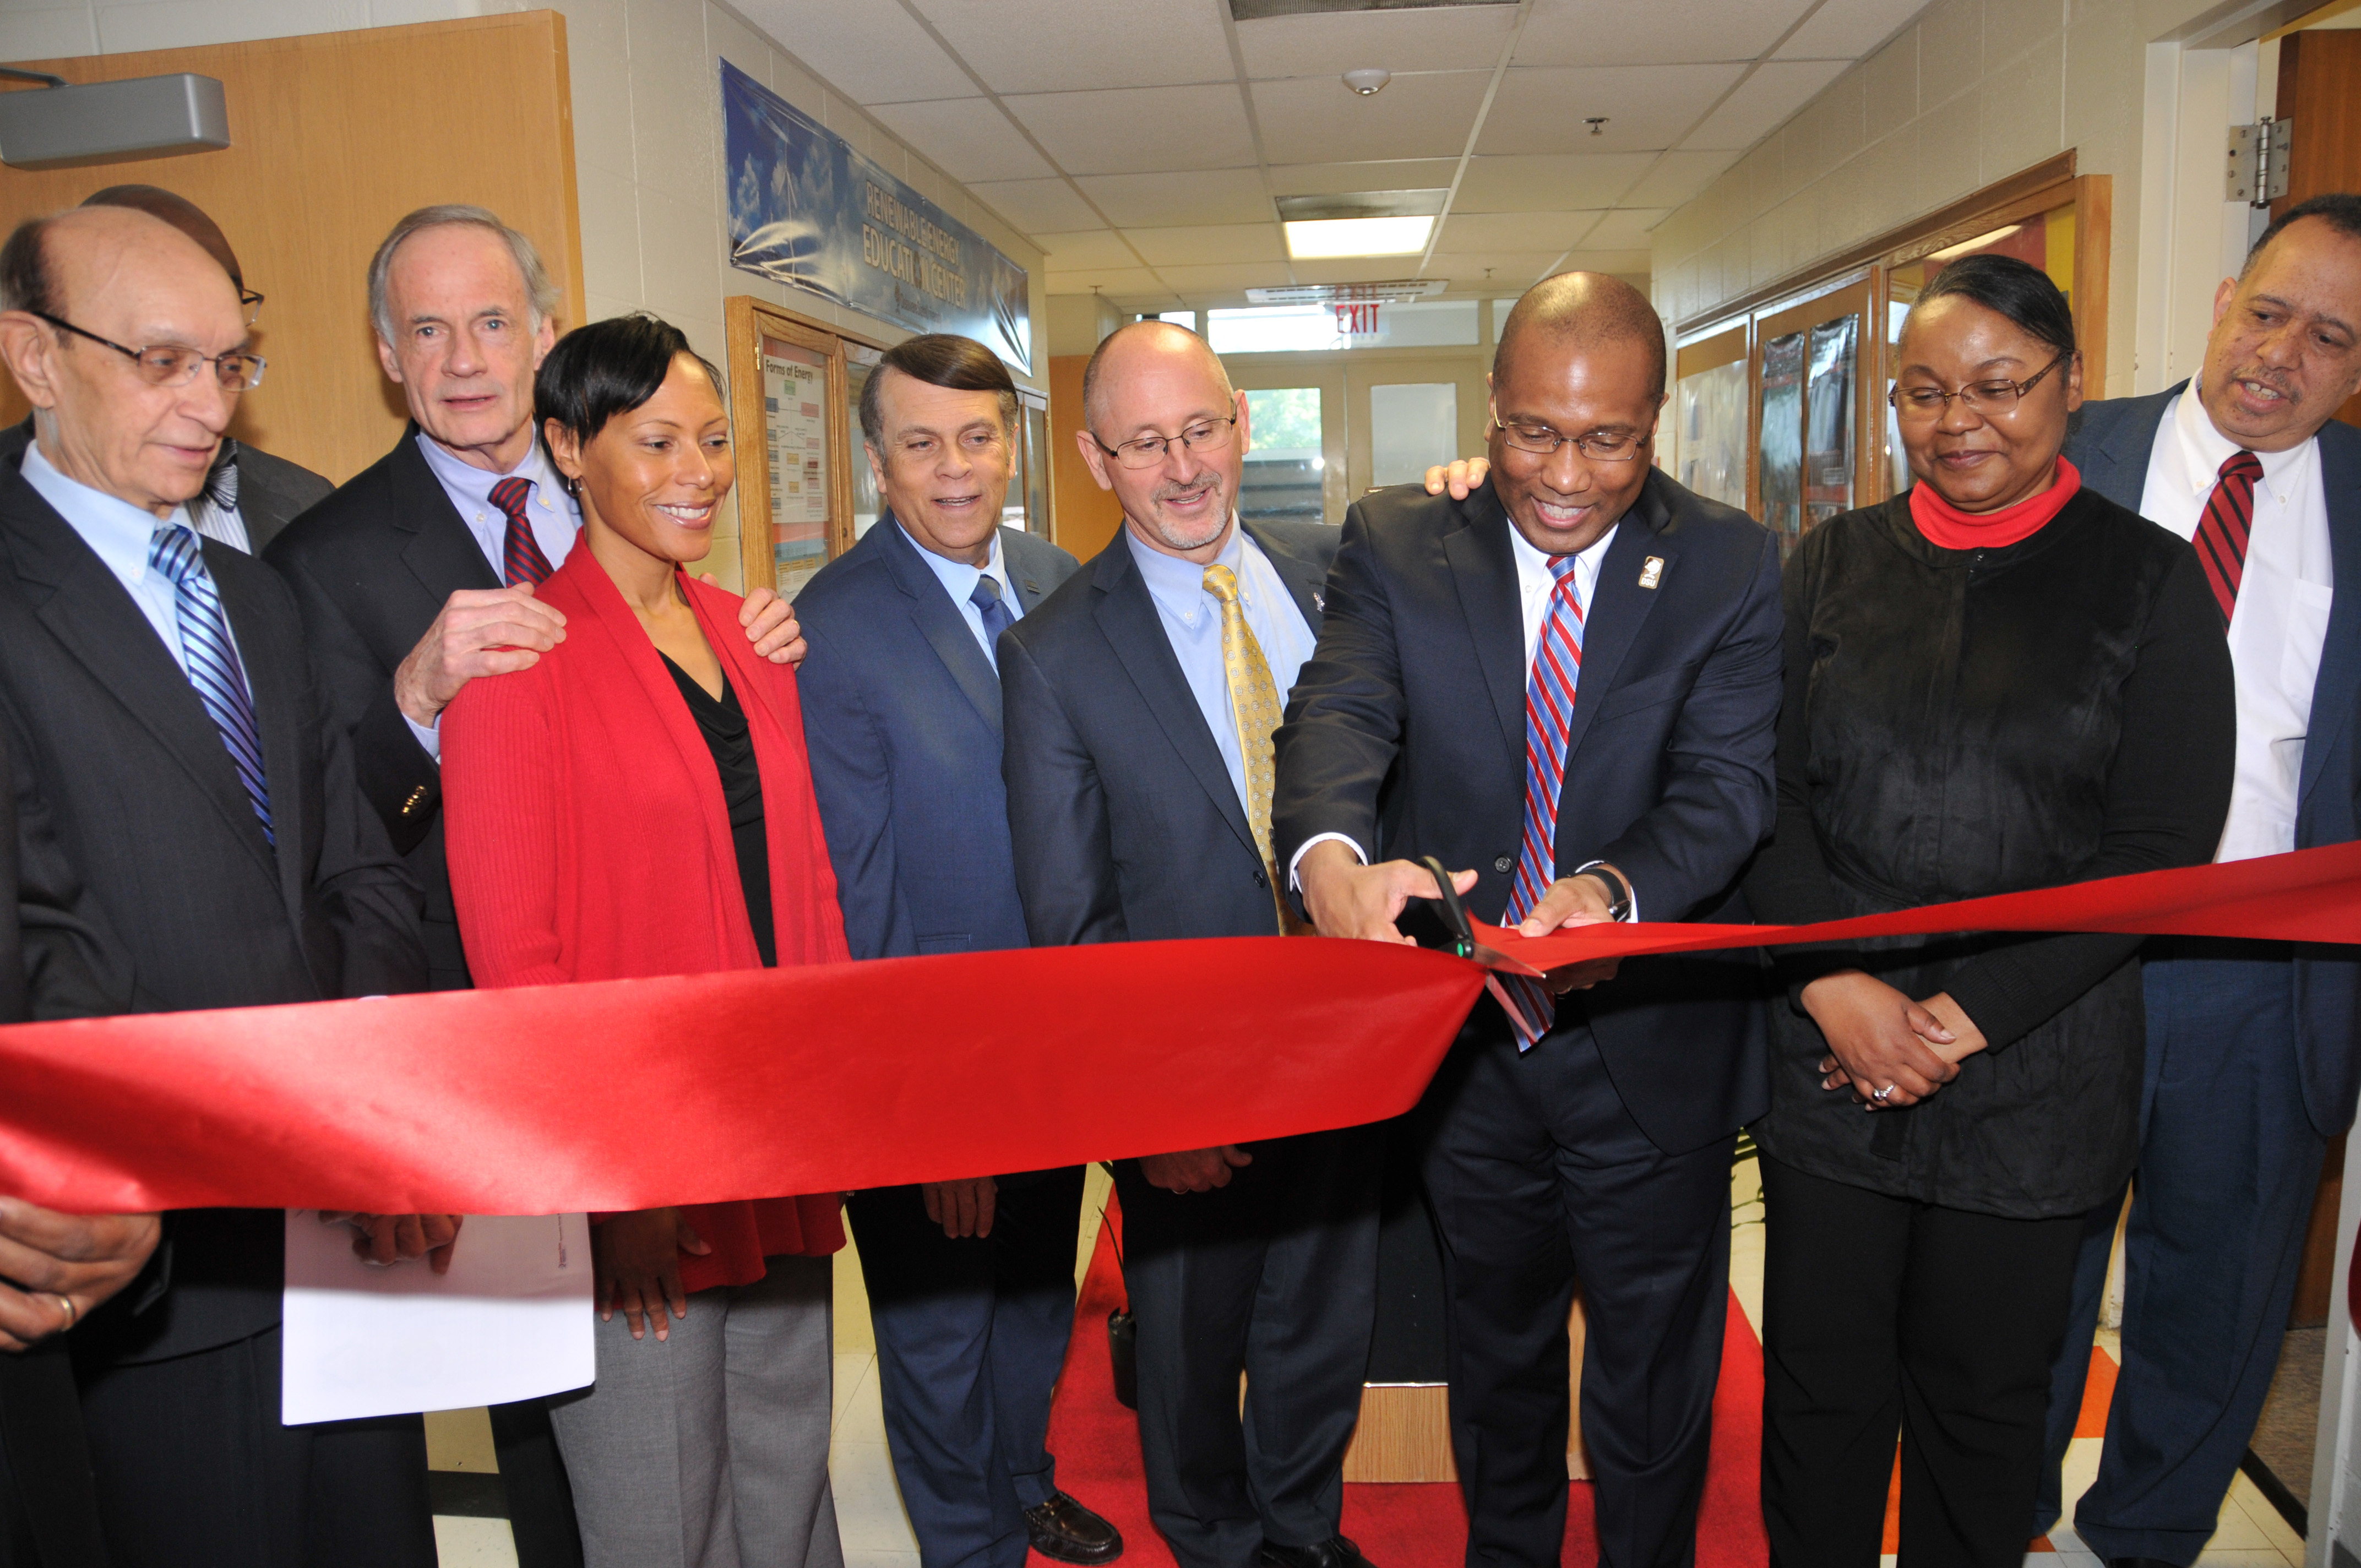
804	490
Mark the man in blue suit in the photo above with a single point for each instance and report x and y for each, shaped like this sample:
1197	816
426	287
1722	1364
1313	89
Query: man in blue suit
972	1282
2252	1062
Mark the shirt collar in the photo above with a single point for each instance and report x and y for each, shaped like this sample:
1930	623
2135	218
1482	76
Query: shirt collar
1533	565
959	578
117	531
2210	449
475	485
1177	586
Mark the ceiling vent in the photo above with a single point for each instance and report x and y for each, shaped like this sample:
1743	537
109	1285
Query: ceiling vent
1398	291
1362	205
1256	10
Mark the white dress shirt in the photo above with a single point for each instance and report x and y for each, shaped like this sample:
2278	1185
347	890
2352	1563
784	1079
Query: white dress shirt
959	580
1535	583
2281	618
556	521
1192	624
120	535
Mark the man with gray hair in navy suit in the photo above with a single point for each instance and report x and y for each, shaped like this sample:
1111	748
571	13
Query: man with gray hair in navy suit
2252	1057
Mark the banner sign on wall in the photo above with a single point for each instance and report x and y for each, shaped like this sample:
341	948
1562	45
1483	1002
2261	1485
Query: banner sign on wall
807	210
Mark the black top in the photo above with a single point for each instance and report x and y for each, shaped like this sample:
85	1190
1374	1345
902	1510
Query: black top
723	724
1961	723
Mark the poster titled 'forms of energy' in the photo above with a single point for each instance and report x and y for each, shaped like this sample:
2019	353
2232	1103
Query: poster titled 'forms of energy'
806	210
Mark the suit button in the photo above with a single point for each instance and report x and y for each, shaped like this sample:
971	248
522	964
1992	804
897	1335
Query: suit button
1503	863
1261	881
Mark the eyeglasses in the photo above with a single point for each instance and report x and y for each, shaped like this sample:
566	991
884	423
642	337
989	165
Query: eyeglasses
1205	435
1925	404
1598	445
253	303
168	364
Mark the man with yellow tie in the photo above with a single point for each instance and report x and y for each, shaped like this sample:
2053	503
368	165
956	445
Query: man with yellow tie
1138	704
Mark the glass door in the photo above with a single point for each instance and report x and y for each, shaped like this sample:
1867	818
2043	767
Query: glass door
1296	459
1408	413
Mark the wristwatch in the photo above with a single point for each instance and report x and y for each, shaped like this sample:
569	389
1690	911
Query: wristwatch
1619	905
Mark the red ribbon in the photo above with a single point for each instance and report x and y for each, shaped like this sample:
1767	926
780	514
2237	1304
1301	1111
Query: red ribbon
628	1094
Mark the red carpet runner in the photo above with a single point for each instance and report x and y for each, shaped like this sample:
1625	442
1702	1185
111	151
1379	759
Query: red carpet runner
1097	1444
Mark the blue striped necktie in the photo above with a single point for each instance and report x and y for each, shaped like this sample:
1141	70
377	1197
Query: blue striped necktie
1549	718
212	658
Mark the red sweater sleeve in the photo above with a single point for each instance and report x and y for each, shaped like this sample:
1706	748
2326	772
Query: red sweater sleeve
501	811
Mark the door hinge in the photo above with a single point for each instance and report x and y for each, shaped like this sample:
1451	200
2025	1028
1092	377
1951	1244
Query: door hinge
2259	162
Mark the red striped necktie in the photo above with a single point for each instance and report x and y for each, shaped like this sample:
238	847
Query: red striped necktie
521	560
2221	531
1549	718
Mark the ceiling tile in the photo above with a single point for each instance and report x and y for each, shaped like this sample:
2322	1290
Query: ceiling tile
1506	271
1205	246
1669	32
1319	179
1140	130
1229	279
1358	270
1317	119
1439	40
886	58
1626	229
1548	181
1848	29
1679	175
1777	90
1036	206
1086	250
1137	281
1464	232
967	138
1542	108
1620	262
1054	46
1191	196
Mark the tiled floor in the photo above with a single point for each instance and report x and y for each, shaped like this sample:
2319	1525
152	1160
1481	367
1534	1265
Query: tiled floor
876	1535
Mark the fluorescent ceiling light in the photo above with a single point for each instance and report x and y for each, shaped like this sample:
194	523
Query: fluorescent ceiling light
1318	238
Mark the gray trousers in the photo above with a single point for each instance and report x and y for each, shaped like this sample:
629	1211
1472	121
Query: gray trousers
710	1449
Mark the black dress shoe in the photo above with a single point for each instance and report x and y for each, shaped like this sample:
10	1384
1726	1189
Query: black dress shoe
1064	1529
1335	1552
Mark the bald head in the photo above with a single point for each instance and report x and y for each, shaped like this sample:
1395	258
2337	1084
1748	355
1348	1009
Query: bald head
1130	349
1577	311
179	212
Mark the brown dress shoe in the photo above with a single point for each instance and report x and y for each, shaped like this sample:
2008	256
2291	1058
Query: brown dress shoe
1064	1529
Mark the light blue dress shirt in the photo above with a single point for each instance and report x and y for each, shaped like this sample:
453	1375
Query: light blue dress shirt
959	580
119	534
556	523
1192	624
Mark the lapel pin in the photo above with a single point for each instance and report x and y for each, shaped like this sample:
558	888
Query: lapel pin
1652	572
1320	601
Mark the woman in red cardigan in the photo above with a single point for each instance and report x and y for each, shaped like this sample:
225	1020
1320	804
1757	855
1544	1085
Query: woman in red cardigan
639	803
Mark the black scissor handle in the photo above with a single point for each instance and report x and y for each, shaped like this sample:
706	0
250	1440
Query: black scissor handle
1454	914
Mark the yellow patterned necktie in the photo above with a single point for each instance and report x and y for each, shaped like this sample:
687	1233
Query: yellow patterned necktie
1255	713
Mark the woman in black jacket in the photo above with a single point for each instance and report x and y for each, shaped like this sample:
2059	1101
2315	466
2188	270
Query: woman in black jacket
1997	680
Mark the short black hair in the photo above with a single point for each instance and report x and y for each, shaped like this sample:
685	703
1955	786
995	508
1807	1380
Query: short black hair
2340	210
2008	287
25	280
939	359
608	367
1584	309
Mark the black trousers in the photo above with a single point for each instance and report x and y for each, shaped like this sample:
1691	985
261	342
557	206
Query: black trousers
49	1505
1882	1314
972	1334
1538	1174
196	1471
1275	1275
533	1476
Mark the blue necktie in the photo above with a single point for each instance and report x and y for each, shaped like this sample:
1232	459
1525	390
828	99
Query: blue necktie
996	618
212	658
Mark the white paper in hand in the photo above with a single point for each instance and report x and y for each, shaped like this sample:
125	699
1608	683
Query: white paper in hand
511	1321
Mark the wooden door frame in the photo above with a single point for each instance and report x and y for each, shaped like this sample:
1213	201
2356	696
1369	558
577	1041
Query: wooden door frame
749	321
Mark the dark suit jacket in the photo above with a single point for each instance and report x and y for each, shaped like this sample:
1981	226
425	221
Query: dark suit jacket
2111	442
902	718
371	567
1124	822
147	807
1418	687
273	492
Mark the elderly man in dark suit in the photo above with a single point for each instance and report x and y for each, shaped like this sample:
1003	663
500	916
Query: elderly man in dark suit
1139	701
417	577
970	1283
169	718
2254	1049
1564	687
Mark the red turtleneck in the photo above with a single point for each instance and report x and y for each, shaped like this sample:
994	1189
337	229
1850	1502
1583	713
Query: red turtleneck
1948	526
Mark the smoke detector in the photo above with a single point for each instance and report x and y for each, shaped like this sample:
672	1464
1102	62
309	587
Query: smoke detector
1368	80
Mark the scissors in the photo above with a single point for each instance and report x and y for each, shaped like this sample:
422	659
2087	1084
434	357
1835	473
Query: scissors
1463	930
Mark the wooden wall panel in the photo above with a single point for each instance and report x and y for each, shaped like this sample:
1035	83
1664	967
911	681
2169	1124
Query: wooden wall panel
2320	91
1084	517
336	135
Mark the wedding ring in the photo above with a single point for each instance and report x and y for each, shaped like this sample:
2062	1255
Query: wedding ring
1880	1095
72	1312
